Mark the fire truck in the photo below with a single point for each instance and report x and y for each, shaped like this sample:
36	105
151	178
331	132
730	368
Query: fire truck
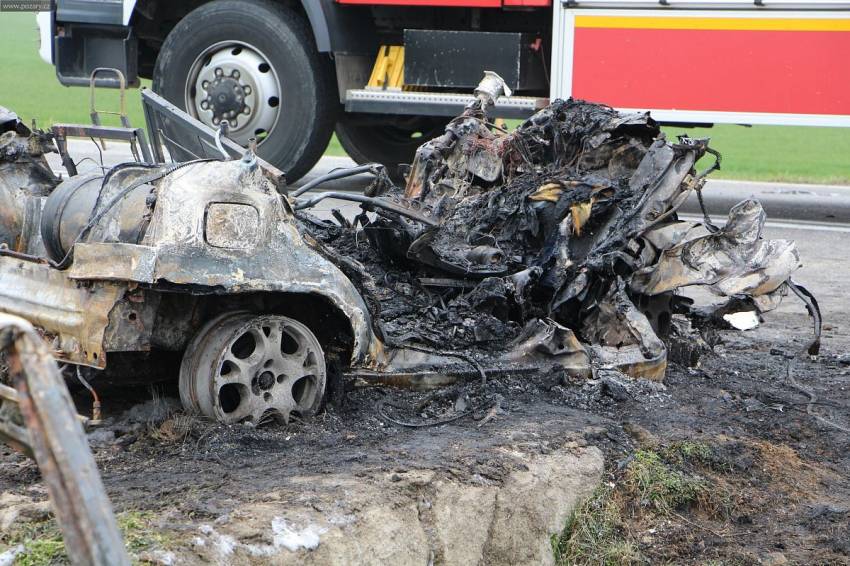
387	74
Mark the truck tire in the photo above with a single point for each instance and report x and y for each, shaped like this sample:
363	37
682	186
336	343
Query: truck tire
255	65
390	140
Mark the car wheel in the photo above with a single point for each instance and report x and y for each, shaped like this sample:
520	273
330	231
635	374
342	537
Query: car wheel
244	367
255	66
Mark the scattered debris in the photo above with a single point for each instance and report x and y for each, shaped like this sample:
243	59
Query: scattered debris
556	245
744	320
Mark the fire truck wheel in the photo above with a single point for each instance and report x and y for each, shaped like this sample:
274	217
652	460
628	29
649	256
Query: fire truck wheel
390	140
254	65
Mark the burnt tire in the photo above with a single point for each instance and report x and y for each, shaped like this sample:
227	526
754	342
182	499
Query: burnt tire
241	366
389	140
307	101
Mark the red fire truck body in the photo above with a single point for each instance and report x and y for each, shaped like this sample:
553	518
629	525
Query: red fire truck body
386	73
748	66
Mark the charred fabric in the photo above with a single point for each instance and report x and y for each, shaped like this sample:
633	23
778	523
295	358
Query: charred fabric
571	218
556	246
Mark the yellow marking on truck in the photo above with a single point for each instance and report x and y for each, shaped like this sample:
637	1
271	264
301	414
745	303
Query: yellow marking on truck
388	72
696	23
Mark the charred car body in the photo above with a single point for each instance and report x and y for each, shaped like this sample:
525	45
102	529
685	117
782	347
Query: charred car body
555	247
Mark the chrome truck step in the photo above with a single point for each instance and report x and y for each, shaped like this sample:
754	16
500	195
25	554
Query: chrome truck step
435	103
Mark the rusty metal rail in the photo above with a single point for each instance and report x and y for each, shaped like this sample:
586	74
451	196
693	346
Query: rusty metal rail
38	417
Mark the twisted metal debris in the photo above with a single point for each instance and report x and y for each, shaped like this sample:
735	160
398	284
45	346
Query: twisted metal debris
569	221
553	248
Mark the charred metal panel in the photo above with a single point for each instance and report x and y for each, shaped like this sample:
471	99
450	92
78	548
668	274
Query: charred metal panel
131	322
113	262
75	314
232	226
734	260
280	260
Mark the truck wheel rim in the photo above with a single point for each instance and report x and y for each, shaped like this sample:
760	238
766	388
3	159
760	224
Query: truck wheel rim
234	82
250	368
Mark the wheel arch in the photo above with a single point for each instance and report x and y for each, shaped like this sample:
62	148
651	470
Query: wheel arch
335	28
339	334
340	29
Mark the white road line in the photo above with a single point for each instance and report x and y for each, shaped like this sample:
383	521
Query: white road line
774	186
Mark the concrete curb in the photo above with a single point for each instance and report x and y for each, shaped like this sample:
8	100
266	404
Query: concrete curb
813	203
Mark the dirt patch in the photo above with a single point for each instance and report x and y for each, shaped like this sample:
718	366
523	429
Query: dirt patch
783	471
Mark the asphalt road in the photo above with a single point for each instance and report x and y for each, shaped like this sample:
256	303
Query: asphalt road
805	204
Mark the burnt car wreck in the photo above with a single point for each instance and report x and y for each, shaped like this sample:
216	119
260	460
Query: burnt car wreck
552	248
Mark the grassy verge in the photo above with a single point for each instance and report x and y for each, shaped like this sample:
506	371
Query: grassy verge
763	153
653	489
791	154
42	540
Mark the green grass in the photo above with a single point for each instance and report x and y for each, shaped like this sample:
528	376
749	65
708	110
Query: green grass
43	543
334	148
654	483
763	153
596	534
654	487
794	154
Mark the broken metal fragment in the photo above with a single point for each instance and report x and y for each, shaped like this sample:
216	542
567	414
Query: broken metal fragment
735	260
37	416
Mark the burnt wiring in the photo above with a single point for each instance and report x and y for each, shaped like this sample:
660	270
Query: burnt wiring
700	183
813	398
374	168
814	312
482	412
452	354
84	159
375	202
812	350
99	152
95	410
379	408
